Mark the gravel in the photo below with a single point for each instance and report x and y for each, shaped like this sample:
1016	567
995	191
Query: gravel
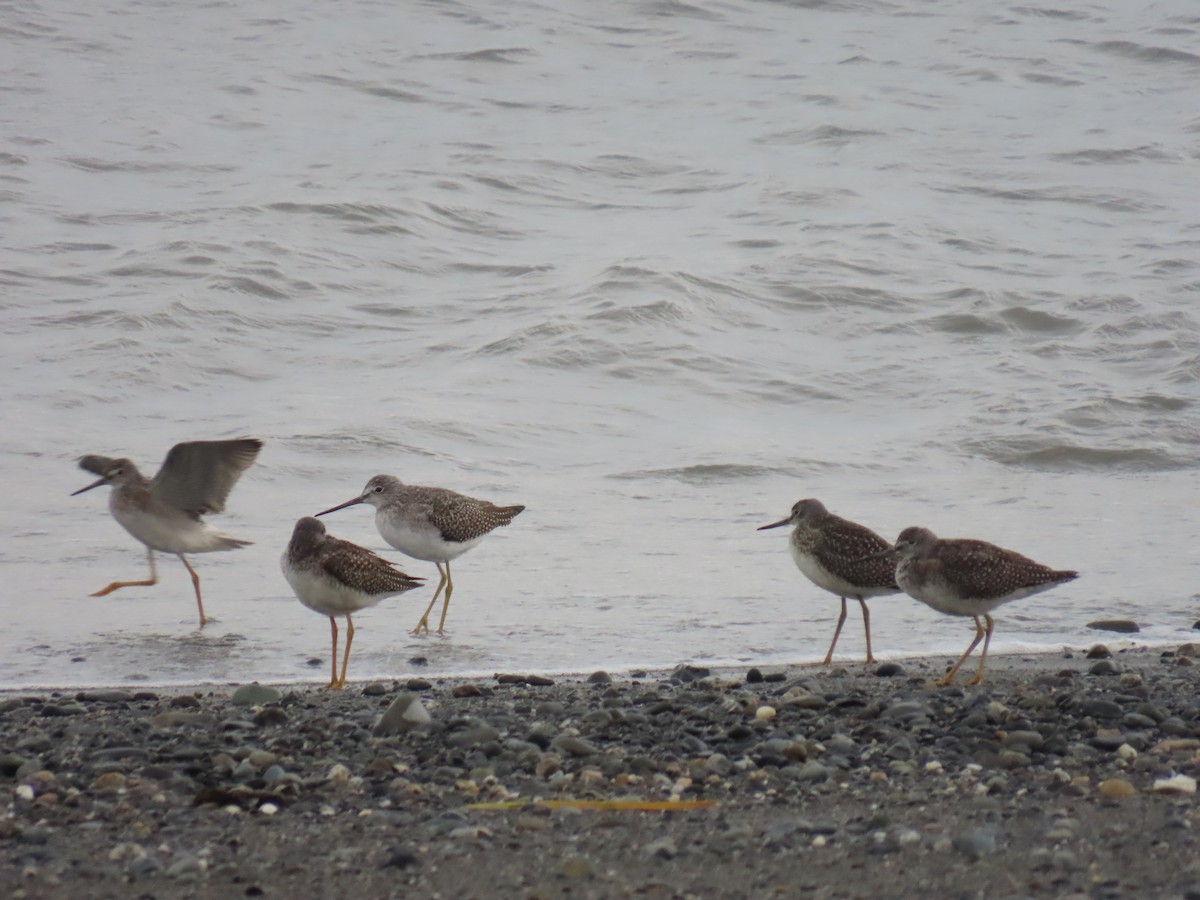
1049	780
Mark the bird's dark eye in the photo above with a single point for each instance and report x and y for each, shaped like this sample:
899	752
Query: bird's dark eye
379	488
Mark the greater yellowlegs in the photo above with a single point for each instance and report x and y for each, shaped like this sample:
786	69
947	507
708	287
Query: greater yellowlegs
337	578
164	512
834	553
430	523
963	577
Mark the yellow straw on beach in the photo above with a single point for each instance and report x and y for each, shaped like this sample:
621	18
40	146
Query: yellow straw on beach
637	805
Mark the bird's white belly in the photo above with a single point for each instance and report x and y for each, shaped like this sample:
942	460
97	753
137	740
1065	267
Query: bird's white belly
823	578
176	533
325	595
942	596
422	542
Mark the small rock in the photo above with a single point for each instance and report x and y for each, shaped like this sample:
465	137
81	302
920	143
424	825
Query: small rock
375	689
406	713
687	673
577	867
1098	651
418	661
765	713
1192	650
400	858
1121	626
599	677
976	842
254	695
1176	784
104	696
1105	667
889	670
466	690
574	746
663	848
270	715
417	684
1115	788
754	676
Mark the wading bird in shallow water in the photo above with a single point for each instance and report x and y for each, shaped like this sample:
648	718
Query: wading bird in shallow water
430	523
963	577
841	557
164	512
337	578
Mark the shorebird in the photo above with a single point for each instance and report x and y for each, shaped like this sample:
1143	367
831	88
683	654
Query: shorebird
337	578
164	512
430	523
963	577
841	557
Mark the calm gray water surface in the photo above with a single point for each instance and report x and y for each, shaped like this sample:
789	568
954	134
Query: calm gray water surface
655	269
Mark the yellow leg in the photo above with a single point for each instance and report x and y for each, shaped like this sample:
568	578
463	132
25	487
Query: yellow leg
346	657
424	623
196	587
949	679
978	678
837	631
120	584
446	599
333	655
867	626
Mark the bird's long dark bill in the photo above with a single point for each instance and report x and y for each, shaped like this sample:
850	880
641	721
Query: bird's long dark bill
778	524
94	484
353	502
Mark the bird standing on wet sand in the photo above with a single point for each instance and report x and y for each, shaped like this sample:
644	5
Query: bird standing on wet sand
963	577
337	578
164	512
834	553
430	523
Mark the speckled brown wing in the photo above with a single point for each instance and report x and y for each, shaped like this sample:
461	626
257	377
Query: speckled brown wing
359	568
842	546
464	518
983	571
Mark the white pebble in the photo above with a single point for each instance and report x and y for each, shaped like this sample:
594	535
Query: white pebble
1126	752
1176	784
24	792
764	713
933	767
339	772
819	841
268	809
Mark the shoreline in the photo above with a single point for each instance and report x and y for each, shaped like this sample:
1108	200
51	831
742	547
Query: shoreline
1061	775
1116	642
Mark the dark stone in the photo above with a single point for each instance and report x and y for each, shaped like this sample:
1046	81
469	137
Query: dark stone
400	858
600	677
270	715
417	684
889	670
1098	651
754	676
687	673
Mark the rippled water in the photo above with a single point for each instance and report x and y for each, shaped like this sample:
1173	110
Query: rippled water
655	269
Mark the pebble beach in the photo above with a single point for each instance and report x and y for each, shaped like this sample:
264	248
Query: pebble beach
1069	774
